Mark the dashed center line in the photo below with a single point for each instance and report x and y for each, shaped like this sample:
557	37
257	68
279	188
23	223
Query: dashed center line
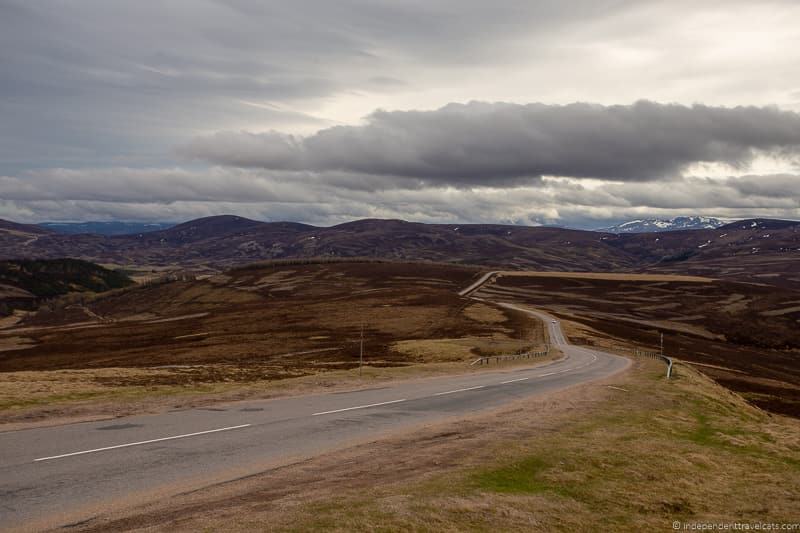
358	407
141	442
513	380
459	390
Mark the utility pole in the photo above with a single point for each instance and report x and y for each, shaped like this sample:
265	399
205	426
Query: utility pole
361	351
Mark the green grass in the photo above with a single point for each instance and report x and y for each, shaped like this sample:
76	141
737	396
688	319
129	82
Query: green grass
703	434
522	477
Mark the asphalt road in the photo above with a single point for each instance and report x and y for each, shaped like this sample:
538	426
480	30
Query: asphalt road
65	474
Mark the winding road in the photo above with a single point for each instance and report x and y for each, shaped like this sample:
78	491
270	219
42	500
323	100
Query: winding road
62	475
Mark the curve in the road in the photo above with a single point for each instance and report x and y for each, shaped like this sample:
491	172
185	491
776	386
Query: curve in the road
53	476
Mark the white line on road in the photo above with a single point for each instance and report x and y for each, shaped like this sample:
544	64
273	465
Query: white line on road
459	390
594	358
358	407
513	380
141	442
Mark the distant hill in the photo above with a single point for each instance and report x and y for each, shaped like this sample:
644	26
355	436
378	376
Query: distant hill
23	283
105	228
6	226
653	225
764	251
756	224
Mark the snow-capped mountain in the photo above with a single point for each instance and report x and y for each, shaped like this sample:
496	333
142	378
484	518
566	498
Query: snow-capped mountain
650	225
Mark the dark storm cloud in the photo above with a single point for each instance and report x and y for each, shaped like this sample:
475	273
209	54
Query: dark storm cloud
503	144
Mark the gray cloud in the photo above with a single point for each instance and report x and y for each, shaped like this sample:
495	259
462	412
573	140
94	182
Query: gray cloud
94	97
507	144
94	84
783	186
179	194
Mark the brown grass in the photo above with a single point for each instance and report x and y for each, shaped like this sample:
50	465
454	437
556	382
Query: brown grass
752	330
252	316
249	327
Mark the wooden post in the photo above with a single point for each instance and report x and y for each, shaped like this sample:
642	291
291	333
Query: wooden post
361	352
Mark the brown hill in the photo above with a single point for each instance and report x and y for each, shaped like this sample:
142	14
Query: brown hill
743	335
244	324
8	227
758	250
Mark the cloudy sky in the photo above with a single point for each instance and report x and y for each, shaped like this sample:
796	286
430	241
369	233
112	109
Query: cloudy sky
573	112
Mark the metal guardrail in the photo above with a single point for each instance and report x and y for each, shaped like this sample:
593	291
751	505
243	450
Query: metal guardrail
498	358
656	355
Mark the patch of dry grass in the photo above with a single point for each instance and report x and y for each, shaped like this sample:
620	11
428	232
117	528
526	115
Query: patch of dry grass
14	343
463	349
484	313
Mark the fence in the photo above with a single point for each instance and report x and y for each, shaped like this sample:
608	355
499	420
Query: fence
498	358
656	355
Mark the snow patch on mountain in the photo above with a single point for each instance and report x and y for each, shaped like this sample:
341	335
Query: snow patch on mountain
658	225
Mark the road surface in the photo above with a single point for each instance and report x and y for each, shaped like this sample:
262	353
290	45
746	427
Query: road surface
65	474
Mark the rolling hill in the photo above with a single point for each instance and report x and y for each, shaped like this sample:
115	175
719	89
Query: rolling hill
759	250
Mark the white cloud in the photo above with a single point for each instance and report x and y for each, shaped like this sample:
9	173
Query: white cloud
178	195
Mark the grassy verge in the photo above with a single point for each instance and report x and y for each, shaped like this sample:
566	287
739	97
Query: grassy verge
653	453
42	395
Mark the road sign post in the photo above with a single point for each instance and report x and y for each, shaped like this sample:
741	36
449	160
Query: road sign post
361	352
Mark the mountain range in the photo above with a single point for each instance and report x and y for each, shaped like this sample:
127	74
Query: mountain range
130	228
760	250
657	225
105	228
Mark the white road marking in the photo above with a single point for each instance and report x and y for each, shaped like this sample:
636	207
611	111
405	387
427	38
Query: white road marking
459	390
594	358
358	407
141	442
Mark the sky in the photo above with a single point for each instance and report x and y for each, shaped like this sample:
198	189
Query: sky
580	113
